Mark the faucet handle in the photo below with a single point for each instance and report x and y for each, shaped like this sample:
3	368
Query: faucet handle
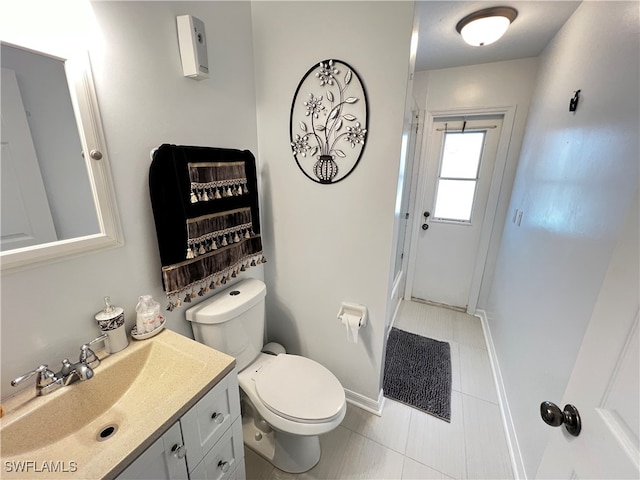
99	339
88	357
44	377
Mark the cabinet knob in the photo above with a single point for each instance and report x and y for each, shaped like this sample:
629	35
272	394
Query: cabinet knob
179	451
224	466
217	417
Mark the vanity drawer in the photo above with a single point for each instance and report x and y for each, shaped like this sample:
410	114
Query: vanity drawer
161	460
226	460
210	418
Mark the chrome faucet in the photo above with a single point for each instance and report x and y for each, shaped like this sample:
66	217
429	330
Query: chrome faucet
74	371
47	381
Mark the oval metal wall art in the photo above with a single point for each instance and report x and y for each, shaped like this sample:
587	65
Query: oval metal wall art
328	124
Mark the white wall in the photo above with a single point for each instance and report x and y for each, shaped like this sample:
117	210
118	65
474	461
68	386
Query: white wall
330	243
315	260
490	85
578	175
47	312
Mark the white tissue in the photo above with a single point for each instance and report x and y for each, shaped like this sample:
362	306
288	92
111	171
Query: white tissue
352	322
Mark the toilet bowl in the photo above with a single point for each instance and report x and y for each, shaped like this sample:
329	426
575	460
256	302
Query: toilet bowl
287	400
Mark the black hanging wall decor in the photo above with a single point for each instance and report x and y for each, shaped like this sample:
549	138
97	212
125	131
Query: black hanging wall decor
328	124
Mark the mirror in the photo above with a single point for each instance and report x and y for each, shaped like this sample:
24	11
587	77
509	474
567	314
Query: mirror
41	155
57	195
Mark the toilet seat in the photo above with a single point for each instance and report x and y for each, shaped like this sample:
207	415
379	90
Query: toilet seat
299	389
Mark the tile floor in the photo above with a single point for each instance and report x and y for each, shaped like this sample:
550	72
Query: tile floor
405	443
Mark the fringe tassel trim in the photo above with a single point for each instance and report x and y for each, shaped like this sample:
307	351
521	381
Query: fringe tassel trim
206	192
200	288
215	180
210	232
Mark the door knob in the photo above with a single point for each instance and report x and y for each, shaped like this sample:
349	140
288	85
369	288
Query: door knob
570	417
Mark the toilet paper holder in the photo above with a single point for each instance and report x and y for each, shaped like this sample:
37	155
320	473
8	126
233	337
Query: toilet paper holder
354	309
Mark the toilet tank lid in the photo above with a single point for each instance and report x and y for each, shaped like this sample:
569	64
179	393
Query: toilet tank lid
229	303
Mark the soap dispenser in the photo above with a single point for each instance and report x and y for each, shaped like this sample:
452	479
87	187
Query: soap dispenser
111	321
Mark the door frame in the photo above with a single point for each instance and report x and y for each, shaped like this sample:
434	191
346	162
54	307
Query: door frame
487	232
411	168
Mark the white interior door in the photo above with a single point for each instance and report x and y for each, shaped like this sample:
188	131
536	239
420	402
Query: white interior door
25	215
460	164
604	385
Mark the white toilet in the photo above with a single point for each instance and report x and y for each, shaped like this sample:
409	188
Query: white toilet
287	400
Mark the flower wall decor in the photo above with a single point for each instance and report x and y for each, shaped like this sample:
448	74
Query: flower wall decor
328	124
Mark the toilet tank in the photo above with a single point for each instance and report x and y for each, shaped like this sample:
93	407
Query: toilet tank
232	321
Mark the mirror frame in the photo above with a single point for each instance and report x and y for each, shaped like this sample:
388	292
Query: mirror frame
91	133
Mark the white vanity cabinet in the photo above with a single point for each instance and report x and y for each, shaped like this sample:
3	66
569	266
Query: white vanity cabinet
164	459
212	433
205	443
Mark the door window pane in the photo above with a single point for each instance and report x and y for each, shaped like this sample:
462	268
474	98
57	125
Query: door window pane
459	167
454	199
461	154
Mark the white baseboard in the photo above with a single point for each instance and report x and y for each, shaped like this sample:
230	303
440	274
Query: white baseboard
365	403
507	421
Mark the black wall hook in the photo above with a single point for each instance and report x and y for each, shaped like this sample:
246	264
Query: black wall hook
573	103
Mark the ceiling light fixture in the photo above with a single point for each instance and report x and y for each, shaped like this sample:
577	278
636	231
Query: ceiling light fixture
486	26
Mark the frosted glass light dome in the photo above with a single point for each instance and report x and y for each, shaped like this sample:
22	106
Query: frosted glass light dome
486	26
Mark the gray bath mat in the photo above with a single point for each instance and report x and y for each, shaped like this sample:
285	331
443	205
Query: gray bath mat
417	372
